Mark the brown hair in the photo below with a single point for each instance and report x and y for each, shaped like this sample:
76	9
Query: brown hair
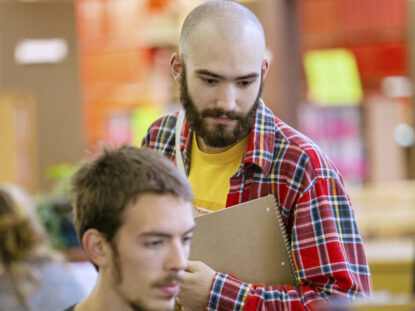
23	240
102	188
22	235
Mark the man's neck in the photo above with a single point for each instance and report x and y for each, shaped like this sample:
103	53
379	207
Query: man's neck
102	298
208	149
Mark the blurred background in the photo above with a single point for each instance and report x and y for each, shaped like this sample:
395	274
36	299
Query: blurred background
74	74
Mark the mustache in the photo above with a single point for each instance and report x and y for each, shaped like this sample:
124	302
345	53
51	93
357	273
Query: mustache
217	113
168	280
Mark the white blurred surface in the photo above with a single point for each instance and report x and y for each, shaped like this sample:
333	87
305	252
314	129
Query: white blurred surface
85	273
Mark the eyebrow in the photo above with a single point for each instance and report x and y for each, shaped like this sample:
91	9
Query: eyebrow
163	234
214	75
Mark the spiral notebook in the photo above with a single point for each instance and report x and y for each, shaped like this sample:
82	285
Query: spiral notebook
248	241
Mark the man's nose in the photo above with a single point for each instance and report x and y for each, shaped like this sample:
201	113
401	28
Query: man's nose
177	257
226	98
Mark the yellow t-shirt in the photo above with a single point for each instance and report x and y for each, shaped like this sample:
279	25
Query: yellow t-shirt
210	174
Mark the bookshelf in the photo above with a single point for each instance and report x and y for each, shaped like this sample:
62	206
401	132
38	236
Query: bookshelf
376	32
411	59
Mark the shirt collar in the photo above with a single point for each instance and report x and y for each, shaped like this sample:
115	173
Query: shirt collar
261	145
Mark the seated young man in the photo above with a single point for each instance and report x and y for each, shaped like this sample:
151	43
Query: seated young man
133	216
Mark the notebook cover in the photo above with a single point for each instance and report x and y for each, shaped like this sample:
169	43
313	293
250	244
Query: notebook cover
247	240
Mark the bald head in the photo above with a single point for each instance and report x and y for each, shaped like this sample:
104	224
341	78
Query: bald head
227	20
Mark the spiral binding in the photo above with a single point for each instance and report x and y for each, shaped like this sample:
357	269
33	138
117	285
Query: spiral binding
285	238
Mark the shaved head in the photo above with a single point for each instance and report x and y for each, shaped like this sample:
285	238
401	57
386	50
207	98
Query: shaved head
228	20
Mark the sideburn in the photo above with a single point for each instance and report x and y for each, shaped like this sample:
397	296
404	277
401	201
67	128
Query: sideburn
116	262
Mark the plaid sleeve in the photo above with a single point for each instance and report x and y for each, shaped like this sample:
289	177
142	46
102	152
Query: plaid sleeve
144	143
161	134
328	256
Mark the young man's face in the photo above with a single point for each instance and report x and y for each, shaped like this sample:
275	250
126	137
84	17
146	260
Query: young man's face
221	85
150	251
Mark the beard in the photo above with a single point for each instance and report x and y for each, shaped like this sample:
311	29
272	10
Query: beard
219	136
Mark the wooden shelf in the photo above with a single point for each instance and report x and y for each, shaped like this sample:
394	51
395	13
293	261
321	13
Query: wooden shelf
352	38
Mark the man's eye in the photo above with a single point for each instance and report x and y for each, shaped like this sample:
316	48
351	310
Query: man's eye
245	83
209	81
187	239
154	244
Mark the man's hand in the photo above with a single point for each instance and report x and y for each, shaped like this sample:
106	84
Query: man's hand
197	281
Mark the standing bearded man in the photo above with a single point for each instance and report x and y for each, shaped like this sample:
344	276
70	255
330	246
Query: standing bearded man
234	150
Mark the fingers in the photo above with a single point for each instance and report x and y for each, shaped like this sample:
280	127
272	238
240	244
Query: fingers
192	266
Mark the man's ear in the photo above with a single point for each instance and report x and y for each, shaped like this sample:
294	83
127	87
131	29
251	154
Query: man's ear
176	67
96	247
266	63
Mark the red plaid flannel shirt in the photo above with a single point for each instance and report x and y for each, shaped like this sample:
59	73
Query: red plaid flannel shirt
326	245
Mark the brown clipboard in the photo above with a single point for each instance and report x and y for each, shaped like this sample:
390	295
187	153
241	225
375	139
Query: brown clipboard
248	241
